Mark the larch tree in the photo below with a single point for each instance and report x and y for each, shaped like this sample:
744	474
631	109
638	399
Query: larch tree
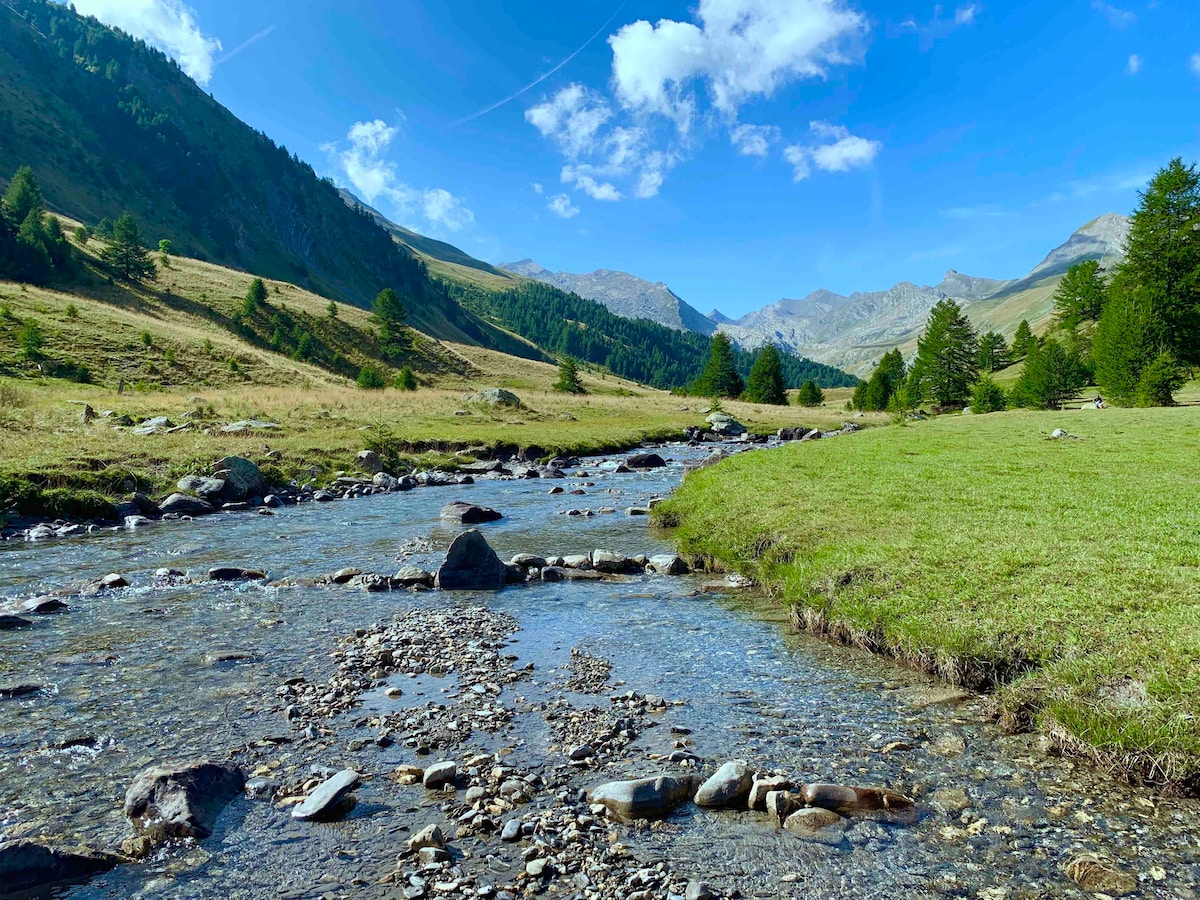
720	377
947	362
126	254
765	383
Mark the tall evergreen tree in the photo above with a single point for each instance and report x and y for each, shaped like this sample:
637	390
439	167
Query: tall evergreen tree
569	381
389	314
720	377
765	383
1124	345
809	394
993	352
1020	344
946	365
1162	258
24	196
1080	295
126	253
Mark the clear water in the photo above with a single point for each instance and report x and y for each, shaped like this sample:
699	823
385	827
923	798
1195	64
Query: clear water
128	680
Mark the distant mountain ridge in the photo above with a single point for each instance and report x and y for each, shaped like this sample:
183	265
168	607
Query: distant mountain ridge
622	294
852	332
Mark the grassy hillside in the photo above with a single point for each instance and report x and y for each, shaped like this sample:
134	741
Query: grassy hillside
1062	571
111	125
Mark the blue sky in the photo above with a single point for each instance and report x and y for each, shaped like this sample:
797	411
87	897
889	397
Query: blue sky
739	150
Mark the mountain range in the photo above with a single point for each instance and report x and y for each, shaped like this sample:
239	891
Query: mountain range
852	332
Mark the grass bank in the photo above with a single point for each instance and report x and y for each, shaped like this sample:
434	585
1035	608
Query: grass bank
1063	573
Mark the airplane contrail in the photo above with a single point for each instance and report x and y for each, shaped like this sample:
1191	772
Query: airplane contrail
543	77
246	43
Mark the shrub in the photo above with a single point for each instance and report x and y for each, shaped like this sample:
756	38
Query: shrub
147	339
30	339
406	380
987	396
370	378
809	394
72	311
1159	381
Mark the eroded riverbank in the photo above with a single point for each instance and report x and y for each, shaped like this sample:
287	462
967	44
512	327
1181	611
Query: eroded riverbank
163	672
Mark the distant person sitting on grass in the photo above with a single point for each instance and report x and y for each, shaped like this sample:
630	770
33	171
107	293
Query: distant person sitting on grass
1098	402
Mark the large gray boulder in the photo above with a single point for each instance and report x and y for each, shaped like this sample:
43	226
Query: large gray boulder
645	461
813	823
183	505
728	786
725	424
28	866
171	802
469	513
368	461
471	565
242	478
205	488
644	798
494	397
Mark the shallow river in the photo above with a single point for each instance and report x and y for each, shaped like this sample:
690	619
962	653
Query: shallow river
129	681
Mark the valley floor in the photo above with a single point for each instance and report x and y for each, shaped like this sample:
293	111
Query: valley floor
1062	572
53	457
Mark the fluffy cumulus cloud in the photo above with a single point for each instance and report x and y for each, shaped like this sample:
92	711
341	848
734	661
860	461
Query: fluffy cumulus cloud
560	205
169	25
1194	64
360	159
1133	65
736	49
674	82
834	149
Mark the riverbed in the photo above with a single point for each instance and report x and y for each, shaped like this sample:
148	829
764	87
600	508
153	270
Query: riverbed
171	669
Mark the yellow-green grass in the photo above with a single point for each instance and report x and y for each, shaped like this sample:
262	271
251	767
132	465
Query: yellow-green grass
1063	573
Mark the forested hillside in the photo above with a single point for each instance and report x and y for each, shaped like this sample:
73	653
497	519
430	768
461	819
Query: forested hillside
110	125
637	349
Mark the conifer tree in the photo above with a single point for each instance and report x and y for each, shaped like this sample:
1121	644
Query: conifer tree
1051	374
1020	344
765	384
1080	295
255	297
389	314
126	253
568	377
876	393
720	377
946	365
993	352
810	394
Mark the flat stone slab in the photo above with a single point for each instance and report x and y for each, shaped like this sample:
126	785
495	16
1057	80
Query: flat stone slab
327	796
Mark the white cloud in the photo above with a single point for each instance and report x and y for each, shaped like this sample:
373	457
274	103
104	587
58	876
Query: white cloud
940	26
443	208
169	25
560	205
965	15
1134	65
738	49
372	177
537	187
1194	64
1117	18
675	82
582	178
753	140
571	118
835	150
